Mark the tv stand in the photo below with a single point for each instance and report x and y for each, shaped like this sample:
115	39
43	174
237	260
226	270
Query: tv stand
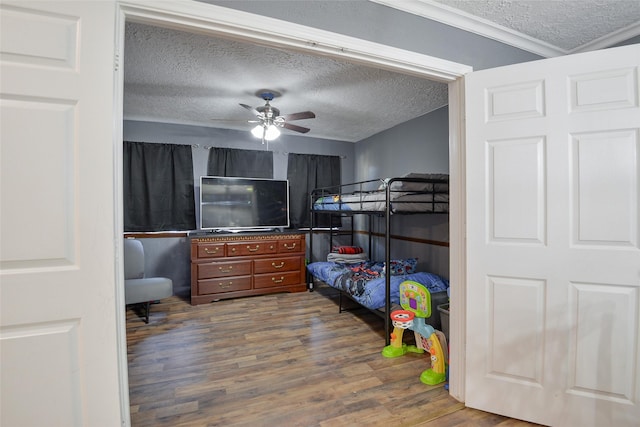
244	264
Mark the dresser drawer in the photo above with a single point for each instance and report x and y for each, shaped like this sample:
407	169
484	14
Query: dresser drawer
224	269
293	245
227	284
276	279
275	265
210	250
251	248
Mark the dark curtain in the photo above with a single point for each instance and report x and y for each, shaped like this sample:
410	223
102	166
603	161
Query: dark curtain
305	173
158	187
244	163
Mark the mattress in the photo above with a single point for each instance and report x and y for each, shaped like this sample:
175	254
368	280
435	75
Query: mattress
365	282
376	202
411	193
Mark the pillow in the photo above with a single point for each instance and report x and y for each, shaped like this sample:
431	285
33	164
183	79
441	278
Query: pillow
421	186
399	267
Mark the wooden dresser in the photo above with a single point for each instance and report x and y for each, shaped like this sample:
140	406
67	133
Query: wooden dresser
238	265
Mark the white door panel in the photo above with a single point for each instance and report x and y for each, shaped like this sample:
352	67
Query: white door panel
553	296
593	201
516	191
57	332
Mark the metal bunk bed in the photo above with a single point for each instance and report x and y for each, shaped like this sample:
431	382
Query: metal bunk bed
410	194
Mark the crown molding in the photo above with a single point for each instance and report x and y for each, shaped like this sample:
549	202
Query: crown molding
609	40
482	27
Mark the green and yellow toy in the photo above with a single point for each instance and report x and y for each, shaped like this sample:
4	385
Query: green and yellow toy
415	300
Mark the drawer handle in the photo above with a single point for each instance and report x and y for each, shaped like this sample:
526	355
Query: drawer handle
273	264
290	248
225	269
223	286
233	250
274	280
215	251
250	249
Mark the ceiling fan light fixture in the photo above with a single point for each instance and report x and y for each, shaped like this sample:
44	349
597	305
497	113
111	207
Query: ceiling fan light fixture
269	132
272	133
257	131
269	119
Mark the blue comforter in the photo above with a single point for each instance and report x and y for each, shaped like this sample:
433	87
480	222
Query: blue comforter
365	282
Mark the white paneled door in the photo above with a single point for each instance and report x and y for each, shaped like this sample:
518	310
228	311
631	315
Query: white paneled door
553	228
59	361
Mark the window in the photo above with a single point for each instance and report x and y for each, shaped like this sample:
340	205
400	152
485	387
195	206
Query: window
244	163
158	187
309	171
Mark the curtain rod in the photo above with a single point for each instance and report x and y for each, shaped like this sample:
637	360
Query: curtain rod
313	154
208	147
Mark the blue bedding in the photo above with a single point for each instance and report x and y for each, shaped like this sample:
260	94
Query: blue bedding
376	202
365	282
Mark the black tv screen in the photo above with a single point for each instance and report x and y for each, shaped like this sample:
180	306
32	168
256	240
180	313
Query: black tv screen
231	203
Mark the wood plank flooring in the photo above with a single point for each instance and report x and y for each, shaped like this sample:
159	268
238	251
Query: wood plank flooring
279	360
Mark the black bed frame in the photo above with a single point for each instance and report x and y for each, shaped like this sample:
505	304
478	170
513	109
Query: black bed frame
364	188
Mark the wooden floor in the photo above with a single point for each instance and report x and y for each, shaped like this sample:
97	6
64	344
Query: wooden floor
279	360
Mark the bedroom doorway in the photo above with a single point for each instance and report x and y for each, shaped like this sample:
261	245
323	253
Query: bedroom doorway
222	22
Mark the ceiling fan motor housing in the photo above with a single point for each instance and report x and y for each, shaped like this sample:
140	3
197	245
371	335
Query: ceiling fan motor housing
268	110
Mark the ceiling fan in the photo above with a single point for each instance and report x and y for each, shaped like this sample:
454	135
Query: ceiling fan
269	118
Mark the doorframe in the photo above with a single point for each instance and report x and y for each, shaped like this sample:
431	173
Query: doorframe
247	27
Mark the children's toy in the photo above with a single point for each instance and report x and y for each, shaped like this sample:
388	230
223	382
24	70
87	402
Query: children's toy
415	300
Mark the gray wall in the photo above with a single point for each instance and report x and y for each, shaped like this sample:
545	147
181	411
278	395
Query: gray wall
419	145
633	40
381	24
170	257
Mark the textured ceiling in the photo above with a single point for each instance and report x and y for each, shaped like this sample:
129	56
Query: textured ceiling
567	24
180	77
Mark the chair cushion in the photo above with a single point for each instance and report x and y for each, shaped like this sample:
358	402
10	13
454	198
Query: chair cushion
148	289
133	259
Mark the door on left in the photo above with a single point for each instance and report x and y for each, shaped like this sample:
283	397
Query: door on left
58	308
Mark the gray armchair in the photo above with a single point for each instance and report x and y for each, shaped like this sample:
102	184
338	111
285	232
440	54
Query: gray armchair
139	289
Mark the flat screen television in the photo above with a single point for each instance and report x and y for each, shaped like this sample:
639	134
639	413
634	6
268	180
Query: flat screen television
243	204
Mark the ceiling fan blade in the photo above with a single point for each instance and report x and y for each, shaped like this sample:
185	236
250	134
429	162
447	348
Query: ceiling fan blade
234	120
295	128
299	116
250	108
